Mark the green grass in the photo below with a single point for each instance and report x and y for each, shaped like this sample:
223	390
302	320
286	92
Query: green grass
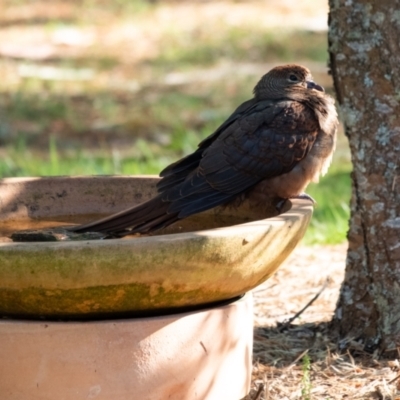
20	161
244	43
306	379
329	223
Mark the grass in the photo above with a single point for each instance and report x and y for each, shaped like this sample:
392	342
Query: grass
241	43
138	92
306	379
20	161
331	214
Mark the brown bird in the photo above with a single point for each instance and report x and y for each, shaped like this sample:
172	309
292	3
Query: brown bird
274	145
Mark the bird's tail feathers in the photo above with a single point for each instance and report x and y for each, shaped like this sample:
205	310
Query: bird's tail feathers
143	218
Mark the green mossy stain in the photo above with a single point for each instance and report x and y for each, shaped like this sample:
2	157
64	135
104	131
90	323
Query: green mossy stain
99	300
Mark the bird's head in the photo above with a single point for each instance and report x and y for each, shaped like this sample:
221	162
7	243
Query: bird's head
286	81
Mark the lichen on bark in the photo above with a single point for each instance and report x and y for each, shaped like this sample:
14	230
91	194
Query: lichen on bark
365	64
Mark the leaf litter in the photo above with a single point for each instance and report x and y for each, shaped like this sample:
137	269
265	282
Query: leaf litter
302	359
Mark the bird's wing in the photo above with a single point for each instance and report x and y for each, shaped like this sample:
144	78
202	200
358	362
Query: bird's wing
266	141
263	141
177	172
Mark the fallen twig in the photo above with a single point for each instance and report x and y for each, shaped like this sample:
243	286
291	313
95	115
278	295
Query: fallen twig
259	391
287	323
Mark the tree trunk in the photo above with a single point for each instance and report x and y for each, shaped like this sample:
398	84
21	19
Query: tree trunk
364	45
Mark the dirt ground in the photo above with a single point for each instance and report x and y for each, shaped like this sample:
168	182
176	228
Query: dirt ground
303	360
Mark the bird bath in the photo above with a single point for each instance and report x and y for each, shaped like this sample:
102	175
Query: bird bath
150	317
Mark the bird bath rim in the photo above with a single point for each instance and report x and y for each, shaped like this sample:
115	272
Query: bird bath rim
91	279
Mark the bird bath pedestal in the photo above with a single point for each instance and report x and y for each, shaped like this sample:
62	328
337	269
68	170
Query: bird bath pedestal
156	317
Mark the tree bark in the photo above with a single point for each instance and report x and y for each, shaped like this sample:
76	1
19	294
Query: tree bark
364	46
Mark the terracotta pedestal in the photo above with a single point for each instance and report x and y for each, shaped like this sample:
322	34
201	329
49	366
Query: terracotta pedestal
203	355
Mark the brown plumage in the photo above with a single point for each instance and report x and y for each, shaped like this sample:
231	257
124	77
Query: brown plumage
274	144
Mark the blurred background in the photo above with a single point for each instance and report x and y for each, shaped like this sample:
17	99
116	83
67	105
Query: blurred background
128	86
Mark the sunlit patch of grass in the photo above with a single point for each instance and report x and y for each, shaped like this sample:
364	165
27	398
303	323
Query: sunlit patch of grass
244	43
329	223
21	161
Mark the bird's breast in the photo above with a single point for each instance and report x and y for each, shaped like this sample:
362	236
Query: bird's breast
309	169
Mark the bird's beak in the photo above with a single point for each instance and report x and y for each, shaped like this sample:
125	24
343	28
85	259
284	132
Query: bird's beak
313	85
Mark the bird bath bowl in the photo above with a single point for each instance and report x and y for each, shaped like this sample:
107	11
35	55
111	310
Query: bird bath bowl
153	317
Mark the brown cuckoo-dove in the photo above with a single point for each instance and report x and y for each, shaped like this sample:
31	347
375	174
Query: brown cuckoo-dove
274	144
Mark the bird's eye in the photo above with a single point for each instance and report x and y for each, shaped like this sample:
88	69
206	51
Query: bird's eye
293	78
